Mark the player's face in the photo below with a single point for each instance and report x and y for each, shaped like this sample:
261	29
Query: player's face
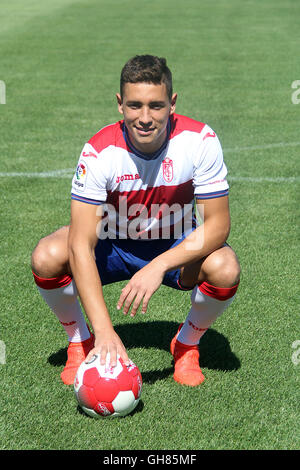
146	109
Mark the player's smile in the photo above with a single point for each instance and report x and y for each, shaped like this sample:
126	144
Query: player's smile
142	131
146	109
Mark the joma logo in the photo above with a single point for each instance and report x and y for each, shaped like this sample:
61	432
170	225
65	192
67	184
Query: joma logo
127	177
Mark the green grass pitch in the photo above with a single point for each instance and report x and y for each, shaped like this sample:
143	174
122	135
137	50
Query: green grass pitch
233	65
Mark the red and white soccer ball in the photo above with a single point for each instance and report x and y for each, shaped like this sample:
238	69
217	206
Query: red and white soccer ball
107	391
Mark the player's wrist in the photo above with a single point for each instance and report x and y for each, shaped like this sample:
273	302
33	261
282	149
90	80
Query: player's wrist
102	327
161	264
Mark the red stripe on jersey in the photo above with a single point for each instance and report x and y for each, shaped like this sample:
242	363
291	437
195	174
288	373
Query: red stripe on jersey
109	135
179	194
113	133
219	293
53	282
181	123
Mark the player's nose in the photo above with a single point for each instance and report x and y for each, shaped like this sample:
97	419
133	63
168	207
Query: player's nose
145	118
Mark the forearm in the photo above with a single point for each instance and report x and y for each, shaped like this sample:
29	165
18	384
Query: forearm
89	287
208	237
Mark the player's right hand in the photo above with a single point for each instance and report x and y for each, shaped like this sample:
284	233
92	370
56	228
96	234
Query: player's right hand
108	342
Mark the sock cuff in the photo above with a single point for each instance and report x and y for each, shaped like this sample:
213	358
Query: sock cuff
187	346
219	293
196	327
53	282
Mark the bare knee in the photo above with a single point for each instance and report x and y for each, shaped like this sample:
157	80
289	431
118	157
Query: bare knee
50	256
43	258
222	268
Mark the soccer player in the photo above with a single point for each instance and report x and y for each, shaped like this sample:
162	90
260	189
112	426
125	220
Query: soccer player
132	218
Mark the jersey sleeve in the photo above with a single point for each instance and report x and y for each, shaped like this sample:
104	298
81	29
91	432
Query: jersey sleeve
89	181
210	171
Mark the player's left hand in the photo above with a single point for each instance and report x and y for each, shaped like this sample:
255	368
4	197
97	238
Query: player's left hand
140	288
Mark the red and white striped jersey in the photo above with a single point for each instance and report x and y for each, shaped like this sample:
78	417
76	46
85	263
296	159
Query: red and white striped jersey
155	190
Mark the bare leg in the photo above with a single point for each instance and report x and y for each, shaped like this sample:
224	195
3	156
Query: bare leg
50	257
221	268
54	282
214	281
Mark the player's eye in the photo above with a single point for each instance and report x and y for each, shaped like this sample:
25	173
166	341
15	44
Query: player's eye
134	105
156	106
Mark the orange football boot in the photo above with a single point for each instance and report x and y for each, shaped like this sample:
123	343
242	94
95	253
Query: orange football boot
77	353
187	369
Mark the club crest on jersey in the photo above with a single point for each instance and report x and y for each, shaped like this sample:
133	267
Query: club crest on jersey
168	173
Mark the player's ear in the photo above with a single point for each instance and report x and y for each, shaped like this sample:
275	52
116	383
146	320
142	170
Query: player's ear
120	103
173	103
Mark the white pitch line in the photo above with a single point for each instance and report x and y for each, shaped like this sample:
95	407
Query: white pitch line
262	147
69	172
64	173
264	179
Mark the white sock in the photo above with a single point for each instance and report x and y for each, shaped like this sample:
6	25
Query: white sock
205	310
65	305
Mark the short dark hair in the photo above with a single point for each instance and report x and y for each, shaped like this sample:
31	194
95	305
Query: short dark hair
149	69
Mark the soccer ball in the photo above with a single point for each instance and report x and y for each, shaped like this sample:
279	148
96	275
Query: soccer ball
103	391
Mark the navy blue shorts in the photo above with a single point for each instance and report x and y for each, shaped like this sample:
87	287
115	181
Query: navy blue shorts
118	260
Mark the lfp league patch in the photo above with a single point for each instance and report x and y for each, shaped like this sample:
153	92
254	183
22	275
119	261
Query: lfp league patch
80	176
